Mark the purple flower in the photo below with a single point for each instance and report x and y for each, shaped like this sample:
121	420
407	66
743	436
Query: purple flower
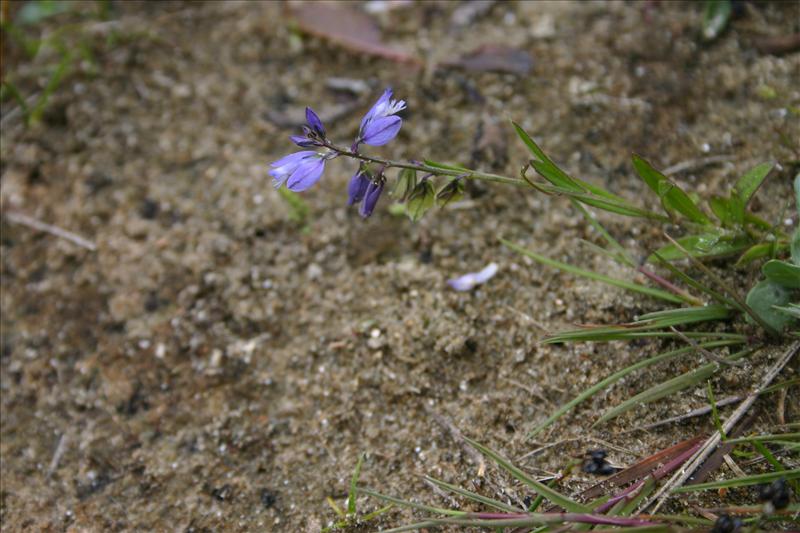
380	125
313	132
315	123
470	280
371	195
357	187
299	170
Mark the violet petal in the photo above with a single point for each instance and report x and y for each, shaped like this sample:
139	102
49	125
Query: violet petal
470	280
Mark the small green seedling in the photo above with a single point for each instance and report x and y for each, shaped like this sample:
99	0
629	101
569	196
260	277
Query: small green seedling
350	518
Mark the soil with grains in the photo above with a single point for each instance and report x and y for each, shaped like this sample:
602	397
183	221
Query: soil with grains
216	365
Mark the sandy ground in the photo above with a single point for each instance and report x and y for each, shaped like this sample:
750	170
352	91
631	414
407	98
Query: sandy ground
216	366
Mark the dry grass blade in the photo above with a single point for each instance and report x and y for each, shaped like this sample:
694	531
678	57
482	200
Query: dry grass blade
25	220
682	476
640	469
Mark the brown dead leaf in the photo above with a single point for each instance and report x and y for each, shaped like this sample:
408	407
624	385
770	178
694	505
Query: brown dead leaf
495	58
349	28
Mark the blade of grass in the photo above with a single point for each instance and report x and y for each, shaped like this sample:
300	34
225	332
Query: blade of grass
668	387
408	504
766	438
685	315
611	204
417	526
541	488
680	477
741	481
613	378
491	502
751	181
610	333
657	293
336	508
485	520
351	496
641	469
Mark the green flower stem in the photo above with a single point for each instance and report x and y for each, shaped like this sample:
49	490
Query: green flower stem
462	173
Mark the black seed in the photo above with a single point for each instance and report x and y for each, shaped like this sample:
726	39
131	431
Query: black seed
267	498
726	524
606	469
776	492
149	209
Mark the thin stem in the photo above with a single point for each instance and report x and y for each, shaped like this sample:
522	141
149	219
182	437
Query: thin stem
463	173
670	286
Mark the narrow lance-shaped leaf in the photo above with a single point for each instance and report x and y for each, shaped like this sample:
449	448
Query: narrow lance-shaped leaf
549	493
751	181
757	479
668	387
555	175
658	293
706	245
672	196
351	497
613	378
491	502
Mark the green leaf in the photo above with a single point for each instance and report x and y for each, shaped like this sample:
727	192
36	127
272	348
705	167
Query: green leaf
762	299
757	251
795	247
452	191
552	173
491	502
672	197
611	204
716	17
758	479
549	493
729	211
751	181
792	310
684	315
671	386
613	378
706	245
420	200
658	293
351	496
783	273
406	182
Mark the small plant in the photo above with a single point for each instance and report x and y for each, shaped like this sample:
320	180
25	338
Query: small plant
725	229
66	49
350	518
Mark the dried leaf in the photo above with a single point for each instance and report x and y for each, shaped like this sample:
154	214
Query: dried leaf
349	28
495	58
